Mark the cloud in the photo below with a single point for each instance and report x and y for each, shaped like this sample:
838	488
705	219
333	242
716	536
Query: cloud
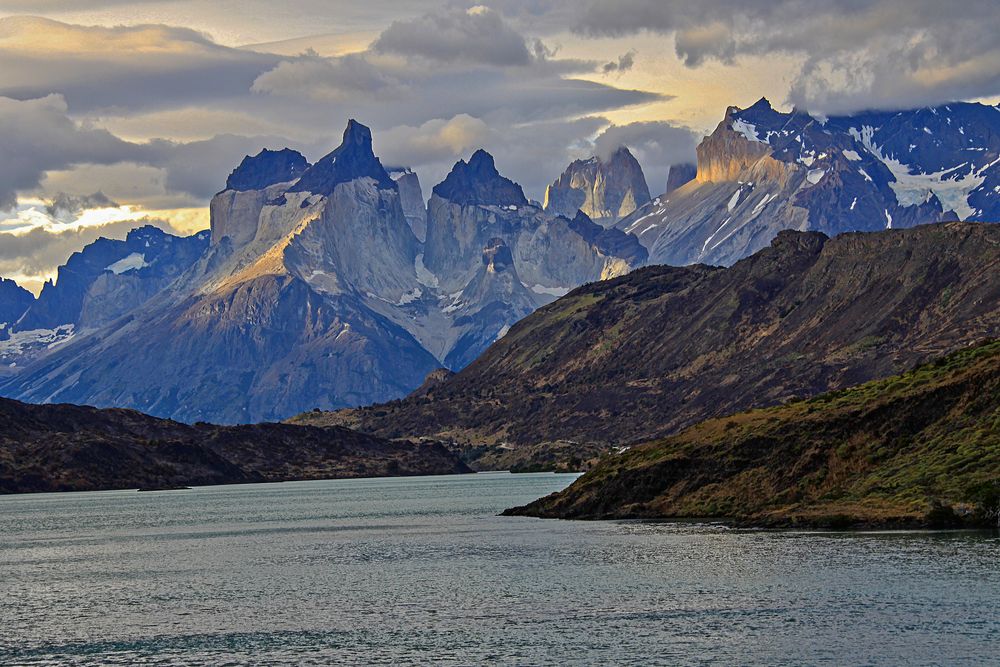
68	204
477	35
437	140
122	68
625	62
338	78
854	53
38	136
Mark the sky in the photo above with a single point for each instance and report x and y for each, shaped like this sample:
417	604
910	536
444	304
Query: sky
118	113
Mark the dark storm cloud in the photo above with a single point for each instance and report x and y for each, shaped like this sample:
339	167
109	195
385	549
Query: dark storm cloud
69	204
855	53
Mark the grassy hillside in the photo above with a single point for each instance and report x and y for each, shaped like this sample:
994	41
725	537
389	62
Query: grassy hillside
922	448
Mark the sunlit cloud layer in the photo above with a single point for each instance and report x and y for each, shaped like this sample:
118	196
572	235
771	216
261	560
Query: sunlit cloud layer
150	103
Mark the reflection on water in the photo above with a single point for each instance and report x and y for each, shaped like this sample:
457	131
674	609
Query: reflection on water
415	570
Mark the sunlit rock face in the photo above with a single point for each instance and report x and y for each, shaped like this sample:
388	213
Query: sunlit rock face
605	189
762	171
315	290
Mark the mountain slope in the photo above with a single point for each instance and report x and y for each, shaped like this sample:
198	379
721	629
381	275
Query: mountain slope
650	353
922	448
762	171
77	448
274	318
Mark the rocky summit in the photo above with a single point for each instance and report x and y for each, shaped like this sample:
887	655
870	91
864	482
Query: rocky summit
605	189
315	289
763	171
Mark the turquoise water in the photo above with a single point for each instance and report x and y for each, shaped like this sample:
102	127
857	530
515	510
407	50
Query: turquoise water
422	571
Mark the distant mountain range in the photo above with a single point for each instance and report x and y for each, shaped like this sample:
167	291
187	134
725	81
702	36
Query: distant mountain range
606	190
312	290
333	285
646	355
763	171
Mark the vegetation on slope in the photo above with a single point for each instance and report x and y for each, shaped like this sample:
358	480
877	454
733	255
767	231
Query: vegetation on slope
922	448
79	448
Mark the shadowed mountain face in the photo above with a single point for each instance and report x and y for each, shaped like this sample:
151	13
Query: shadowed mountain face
109	278
655	351
920	449
352	160
315	291
267	168
478	182
606	190
762	171
14	301
77	448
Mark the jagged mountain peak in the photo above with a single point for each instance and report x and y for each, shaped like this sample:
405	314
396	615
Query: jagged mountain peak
267	168
478	182
353	159
605	187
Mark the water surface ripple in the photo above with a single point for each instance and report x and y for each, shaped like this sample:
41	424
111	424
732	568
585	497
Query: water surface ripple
421	570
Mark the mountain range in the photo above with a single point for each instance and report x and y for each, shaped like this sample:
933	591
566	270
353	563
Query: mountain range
311	290
648	354
762	171
333	285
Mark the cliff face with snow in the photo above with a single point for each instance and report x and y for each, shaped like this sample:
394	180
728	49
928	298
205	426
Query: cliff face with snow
107	280
316	290
605	189
762	171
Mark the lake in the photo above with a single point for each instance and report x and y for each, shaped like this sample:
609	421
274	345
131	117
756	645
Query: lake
422	570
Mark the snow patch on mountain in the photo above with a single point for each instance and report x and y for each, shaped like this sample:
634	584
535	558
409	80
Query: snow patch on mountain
748	130
134	261
950	185
551	291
